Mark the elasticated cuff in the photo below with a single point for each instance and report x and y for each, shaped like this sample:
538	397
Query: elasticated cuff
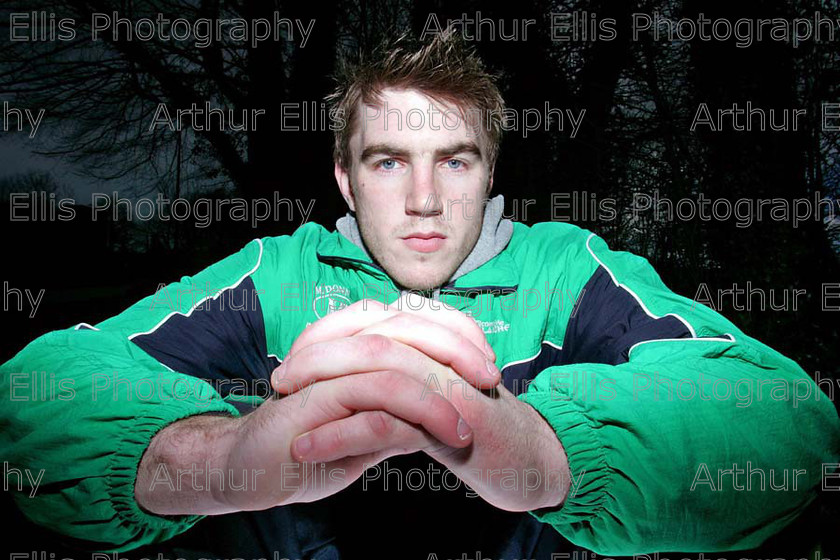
124	462
585	452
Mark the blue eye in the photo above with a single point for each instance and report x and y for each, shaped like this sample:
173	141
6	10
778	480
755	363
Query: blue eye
388	164
457	164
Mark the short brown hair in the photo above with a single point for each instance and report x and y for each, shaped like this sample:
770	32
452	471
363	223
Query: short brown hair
445	69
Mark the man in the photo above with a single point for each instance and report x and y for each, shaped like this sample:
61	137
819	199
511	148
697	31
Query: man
584	392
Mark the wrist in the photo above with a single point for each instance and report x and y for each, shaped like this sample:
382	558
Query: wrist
224	456
553	464
182	455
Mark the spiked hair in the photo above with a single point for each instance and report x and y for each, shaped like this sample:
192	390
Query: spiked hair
444	69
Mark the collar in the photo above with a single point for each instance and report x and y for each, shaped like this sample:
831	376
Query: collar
345	247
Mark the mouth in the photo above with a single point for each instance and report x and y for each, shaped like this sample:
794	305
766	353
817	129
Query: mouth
428	242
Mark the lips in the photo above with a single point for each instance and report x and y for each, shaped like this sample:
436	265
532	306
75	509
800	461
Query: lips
424	242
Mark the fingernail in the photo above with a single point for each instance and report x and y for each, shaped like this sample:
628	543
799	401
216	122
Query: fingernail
491	367
303	445
464	429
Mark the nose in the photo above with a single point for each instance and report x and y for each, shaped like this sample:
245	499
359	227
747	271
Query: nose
422	198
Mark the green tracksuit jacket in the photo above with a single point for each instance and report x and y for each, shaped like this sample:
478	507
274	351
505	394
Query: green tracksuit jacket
666	409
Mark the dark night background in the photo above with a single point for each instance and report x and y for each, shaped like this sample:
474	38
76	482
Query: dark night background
640	98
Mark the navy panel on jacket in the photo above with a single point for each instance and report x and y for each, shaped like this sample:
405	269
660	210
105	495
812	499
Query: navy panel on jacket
222	339
607	321
516	377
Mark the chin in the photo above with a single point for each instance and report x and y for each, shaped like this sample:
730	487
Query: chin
421	281
419	272
419	285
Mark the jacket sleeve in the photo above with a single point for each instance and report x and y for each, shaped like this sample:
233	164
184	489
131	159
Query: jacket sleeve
81	405
682	433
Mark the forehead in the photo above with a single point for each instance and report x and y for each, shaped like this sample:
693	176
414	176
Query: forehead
413	121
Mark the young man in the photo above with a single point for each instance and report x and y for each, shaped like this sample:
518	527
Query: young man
607	410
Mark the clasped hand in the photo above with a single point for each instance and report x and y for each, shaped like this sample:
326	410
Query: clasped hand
373	381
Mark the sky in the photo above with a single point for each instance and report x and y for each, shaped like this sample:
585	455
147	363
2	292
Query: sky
17	156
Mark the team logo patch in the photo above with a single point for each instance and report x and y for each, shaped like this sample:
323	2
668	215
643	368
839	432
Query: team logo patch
330	298
489	327
493	327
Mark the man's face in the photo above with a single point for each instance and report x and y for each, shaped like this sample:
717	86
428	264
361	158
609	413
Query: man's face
416	186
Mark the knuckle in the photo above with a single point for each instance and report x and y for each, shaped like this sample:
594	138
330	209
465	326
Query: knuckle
392	383
381	423
376	345
398	323
405	320
336	438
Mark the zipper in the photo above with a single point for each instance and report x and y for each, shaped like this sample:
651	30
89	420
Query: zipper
450	288
359	263
479	290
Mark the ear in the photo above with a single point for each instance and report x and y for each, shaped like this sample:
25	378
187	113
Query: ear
342	177
490	181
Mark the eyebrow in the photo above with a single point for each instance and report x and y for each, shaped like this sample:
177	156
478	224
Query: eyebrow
394	151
